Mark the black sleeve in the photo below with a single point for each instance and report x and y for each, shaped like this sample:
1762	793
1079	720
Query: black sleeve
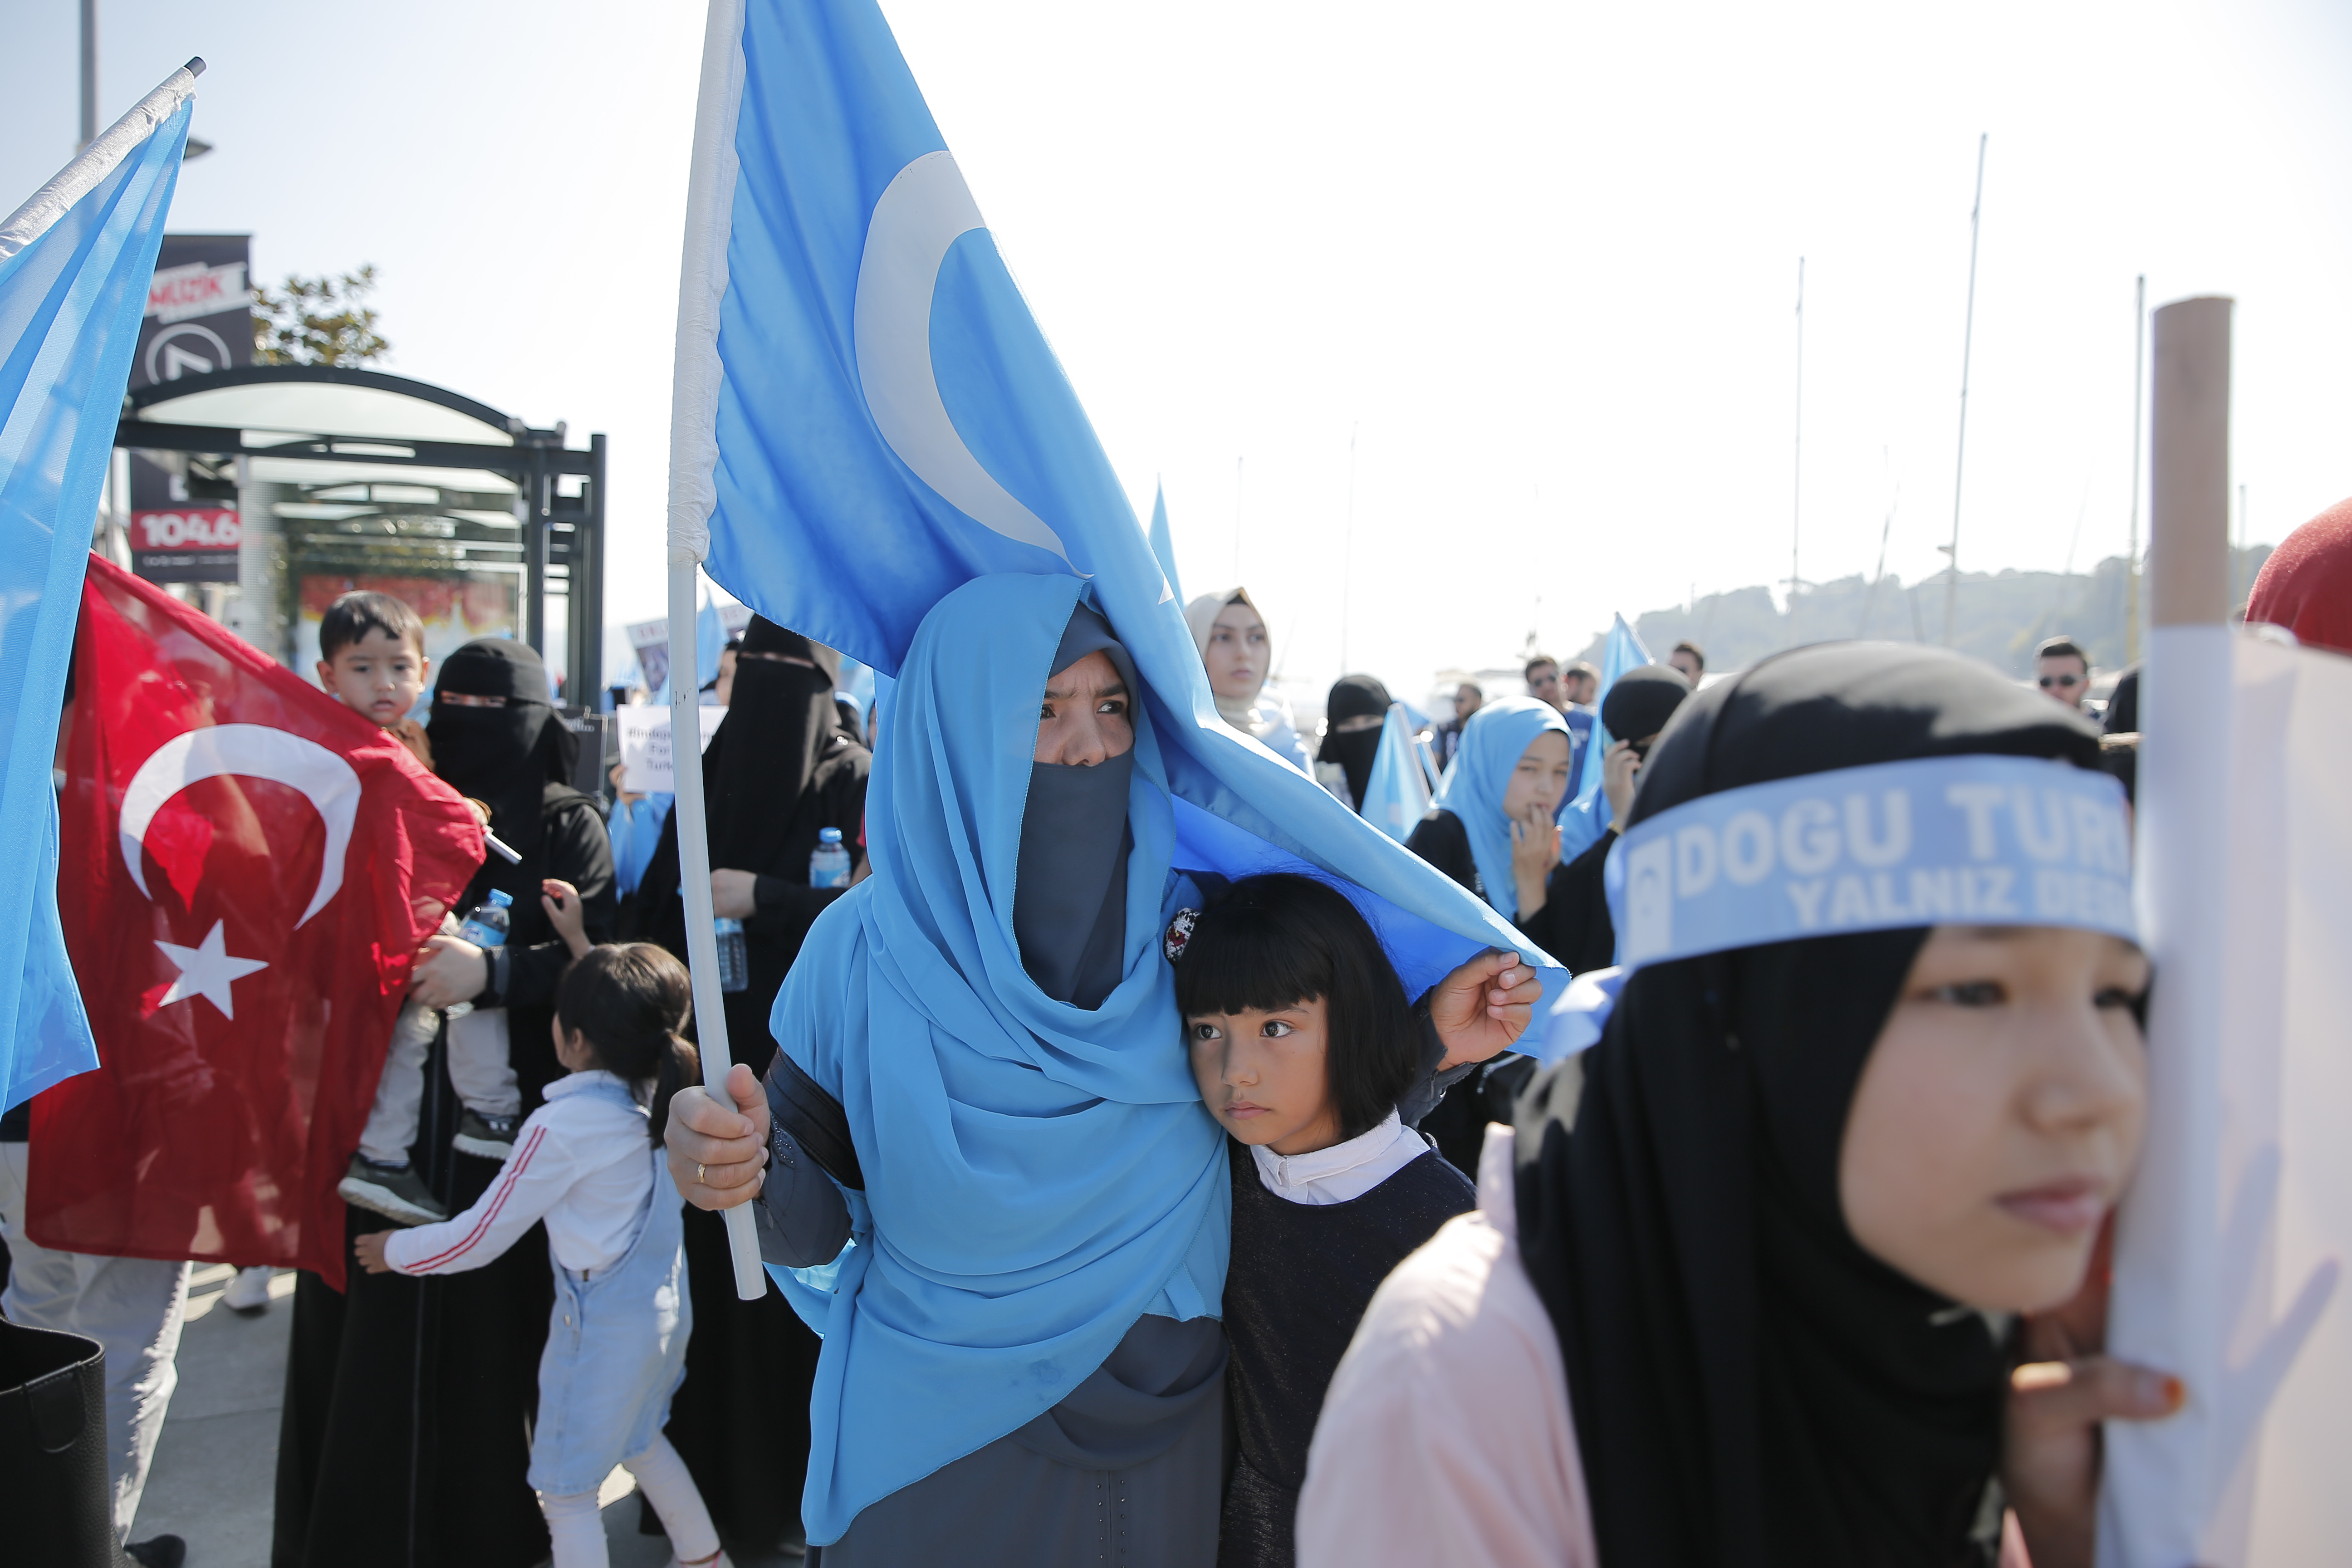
1573	925
1441	839
780	903
803	1219
578	852
784	904
1430	1085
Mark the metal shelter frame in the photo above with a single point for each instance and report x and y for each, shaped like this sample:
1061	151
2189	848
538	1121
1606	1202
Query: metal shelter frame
562	534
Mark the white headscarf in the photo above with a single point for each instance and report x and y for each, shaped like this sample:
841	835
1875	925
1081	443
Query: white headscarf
1201	616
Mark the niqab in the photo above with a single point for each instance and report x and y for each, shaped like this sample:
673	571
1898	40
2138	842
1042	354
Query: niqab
1750	1385
1070	898
505	757
781	722
1353	696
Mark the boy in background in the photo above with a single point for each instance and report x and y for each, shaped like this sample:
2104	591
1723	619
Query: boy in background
372	660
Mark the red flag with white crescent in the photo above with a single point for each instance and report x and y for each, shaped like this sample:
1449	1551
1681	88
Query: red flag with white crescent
248	868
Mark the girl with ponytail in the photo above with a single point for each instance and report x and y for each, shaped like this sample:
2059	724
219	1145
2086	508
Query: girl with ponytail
588	1164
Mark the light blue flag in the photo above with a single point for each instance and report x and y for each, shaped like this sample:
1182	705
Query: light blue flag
75	262
1163	544
1585	818
1396	797
866	416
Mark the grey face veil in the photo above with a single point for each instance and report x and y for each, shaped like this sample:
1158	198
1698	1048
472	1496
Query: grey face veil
1069	899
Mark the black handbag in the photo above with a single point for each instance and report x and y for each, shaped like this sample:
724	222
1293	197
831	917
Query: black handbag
56	1508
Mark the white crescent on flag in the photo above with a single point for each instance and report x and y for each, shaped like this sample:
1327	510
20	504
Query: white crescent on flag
250	750
926	208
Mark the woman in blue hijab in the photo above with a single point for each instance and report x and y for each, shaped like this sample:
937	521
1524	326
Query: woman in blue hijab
982	1157
1491	827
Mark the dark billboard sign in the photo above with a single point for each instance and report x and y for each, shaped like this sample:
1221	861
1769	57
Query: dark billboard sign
183	525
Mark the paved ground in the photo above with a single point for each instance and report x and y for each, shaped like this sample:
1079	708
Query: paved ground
217	1462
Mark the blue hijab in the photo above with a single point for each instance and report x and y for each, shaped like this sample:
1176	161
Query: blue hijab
1493	741
1039	1175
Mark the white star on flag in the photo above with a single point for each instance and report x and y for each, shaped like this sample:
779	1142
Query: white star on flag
206	971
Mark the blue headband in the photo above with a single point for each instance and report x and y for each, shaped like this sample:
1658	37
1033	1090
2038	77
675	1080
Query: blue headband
1976	840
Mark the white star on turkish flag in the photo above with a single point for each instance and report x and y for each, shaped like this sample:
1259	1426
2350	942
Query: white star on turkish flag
206	971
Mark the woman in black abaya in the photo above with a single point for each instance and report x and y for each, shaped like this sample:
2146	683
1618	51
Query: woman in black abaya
1352	737
405	1434
778	772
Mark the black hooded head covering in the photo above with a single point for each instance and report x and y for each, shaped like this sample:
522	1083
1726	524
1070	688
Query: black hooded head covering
1641	699
780	724
1750	1386
1353	696
1069	892
504	757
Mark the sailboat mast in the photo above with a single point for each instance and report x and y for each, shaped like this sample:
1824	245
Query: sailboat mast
1960	451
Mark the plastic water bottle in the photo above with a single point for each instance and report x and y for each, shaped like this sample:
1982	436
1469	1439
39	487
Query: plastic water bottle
829	867
734	959
488	924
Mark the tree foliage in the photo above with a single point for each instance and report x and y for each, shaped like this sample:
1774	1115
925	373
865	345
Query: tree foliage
318	321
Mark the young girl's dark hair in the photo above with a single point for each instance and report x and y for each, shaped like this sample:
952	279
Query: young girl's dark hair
630	1000
1279	939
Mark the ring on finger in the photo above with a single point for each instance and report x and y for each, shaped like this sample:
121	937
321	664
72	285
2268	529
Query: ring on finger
701	1176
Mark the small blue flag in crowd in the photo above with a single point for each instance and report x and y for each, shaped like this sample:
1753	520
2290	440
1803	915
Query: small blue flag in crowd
1396	797
1585	818
1163	544
75	264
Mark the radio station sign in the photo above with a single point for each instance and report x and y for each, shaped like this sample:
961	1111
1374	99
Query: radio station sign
193	545
199	319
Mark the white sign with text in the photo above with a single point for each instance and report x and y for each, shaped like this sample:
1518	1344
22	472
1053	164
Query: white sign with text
646	765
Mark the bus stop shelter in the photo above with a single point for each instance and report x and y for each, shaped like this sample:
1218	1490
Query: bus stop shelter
353	478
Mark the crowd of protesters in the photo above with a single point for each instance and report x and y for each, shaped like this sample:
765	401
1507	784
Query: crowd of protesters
1328	1272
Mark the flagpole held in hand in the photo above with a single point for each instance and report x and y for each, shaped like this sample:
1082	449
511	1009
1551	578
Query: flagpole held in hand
701	929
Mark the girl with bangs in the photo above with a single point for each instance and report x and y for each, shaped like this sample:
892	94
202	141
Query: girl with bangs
1303	1042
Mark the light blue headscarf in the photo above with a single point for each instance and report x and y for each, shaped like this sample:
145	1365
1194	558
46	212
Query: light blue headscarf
1493	741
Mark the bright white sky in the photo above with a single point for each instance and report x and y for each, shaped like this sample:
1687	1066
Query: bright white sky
1538	258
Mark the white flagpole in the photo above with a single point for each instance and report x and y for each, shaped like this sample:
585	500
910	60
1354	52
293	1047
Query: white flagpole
97	160
2161	1490
693	460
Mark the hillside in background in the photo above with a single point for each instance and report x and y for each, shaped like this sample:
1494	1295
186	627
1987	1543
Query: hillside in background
1997	617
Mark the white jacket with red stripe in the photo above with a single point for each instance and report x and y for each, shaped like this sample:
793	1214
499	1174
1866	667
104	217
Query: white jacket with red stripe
579	1164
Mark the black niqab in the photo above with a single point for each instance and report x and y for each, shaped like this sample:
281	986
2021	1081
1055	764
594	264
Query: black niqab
1353	696
504	757
1750	1385
780	723
1069	892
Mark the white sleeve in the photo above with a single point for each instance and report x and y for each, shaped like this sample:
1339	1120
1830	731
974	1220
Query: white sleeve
1445	1436
541	1169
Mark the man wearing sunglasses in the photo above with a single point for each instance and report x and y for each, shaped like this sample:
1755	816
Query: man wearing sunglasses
2062	670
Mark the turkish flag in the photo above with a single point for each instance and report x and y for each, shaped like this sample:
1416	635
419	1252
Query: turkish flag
248	868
